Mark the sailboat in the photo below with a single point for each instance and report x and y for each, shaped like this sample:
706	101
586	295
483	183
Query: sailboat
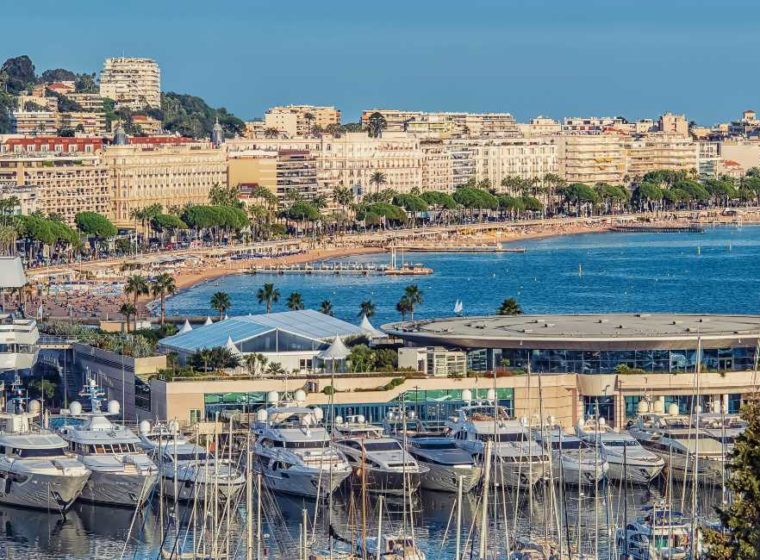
458	307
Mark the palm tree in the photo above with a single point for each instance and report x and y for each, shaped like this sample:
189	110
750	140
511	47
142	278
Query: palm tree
275	369
163	285
205	356
378	178
295	301
137	286
271	132
326	307
309	118
220	301
367	309
128	310
268	294
414	295
509	307
403	306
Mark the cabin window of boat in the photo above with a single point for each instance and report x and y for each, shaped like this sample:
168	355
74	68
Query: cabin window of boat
567	444
436	445
306	444
621	443
516	436
33	453
193	456
382	445
99	449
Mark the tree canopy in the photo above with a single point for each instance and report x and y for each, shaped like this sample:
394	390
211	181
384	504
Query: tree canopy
411	202
201	217
439	199
191	116
302	211
95	225
167	222
474	198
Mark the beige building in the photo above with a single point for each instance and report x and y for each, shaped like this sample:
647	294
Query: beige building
90	124
92	102
283	171
66	184
148	125
661	151
745	153
540	126
674	124
445	124
437	166
170	175
26	196
592	158
131	82
521	157
300	120
35	122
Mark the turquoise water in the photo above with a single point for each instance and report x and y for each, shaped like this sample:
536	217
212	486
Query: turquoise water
713	272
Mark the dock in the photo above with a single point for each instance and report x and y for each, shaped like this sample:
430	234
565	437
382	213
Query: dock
338	269
469	249
658	228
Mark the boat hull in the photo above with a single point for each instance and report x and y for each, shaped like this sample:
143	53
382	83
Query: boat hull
307	484
118	489
392	482
634	473
41	491
579	475
519	473
445	478
189	490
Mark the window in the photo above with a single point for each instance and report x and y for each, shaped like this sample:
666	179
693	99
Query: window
195	415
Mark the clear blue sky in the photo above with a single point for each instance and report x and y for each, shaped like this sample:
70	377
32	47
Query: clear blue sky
554	57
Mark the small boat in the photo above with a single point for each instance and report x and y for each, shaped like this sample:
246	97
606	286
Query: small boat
659	533
391	547
458	307
573	460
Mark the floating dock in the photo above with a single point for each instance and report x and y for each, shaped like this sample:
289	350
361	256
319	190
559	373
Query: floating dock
474	249
655	228
361	269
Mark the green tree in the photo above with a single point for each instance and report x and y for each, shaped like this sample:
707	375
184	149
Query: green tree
647	195
19	74
509	307
268	295
326	307
404	306
378	179
220	301
367	309
413	295
136	286
294	301
222	195
375	125
190	116
128	310
163	285
739	538
95	225
578	194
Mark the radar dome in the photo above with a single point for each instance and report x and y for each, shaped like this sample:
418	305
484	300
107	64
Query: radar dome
698	409
411	415
659	406
318	414
114	407
34	406
261	415
272	397
75	408
673	409
390	415
467	396
144	427
338	419
491	395
360	419
300	396
643	407
602	421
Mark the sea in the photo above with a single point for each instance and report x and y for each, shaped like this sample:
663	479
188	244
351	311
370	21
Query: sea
717	271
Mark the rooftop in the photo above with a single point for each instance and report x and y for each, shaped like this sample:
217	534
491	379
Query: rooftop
577	331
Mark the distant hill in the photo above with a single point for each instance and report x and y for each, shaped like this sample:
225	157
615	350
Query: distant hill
184	114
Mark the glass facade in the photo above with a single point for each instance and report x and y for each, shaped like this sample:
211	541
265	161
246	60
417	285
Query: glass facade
684	403
608	361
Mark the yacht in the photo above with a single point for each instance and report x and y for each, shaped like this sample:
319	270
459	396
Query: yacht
390	547
399	424
189	472
688	446
518	459
627	459
18	334
446	462
294	452
122	474
573	460
658	533
35	468
380	461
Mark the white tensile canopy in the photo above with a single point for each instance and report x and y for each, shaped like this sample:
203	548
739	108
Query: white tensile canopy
208	321
229	345
186	328
369	330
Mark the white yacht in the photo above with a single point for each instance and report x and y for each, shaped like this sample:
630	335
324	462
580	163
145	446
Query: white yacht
447	463
390	547
379	460
35	468
573	460
294	452
188	471
627	458
685	445
122	474
18	334
518	459
658	533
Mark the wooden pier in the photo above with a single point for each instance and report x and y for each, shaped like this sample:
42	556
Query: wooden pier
338	269
658	228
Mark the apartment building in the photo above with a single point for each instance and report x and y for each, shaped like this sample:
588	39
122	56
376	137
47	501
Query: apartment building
131	82
248	168
592	158
661	151
148	125
92	124
34	122
437	166
50	145
540	126
673	124
166	174
91	102
588	125
300	120
284	172
25	195
66	183
446	124
525	158
395	120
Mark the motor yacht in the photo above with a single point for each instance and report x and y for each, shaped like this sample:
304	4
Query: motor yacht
294	451
687	445
36	470
517	458
390	547
573	460
378	461
189	471
447	463
658	533
122	473
18	334
627	458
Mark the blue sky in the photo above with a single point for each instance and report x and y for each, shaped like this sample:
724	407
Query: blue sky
554	57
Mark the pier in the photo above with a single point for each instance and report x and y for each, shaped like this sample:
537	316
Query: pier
352	268
466	249
658	228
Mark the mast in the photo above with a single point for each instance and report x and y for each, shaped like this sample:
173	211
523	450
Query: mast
484	507
379	526
459	519
248	501
695	482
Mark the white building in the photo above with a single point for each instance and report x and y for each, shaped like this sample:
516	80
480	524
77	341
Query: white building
433	360
131	82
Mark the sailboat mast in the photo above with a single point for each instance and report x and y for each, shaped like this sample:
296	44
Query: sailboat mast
379	526
484	506
248	501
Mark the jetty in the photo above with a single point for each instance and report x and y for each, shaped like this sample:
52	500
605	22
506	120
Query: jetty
344	268
465	249
658	228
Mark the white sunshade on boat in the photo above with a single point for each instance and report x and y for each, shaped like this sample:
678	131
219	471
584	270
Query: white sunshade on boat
336	351
186	328
369	330
11	273
208	321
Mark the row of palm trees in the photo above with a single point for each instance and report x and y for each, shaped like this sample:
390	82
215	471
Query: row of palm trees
138	285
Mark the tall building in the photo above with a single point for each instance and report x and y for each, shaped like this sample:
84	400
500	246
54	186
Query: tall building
661	151
283	172
131	82
540	126
437	166
523	157
91	124
673	124
34	122
444	124
166	174
592	158
300	120
66	183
